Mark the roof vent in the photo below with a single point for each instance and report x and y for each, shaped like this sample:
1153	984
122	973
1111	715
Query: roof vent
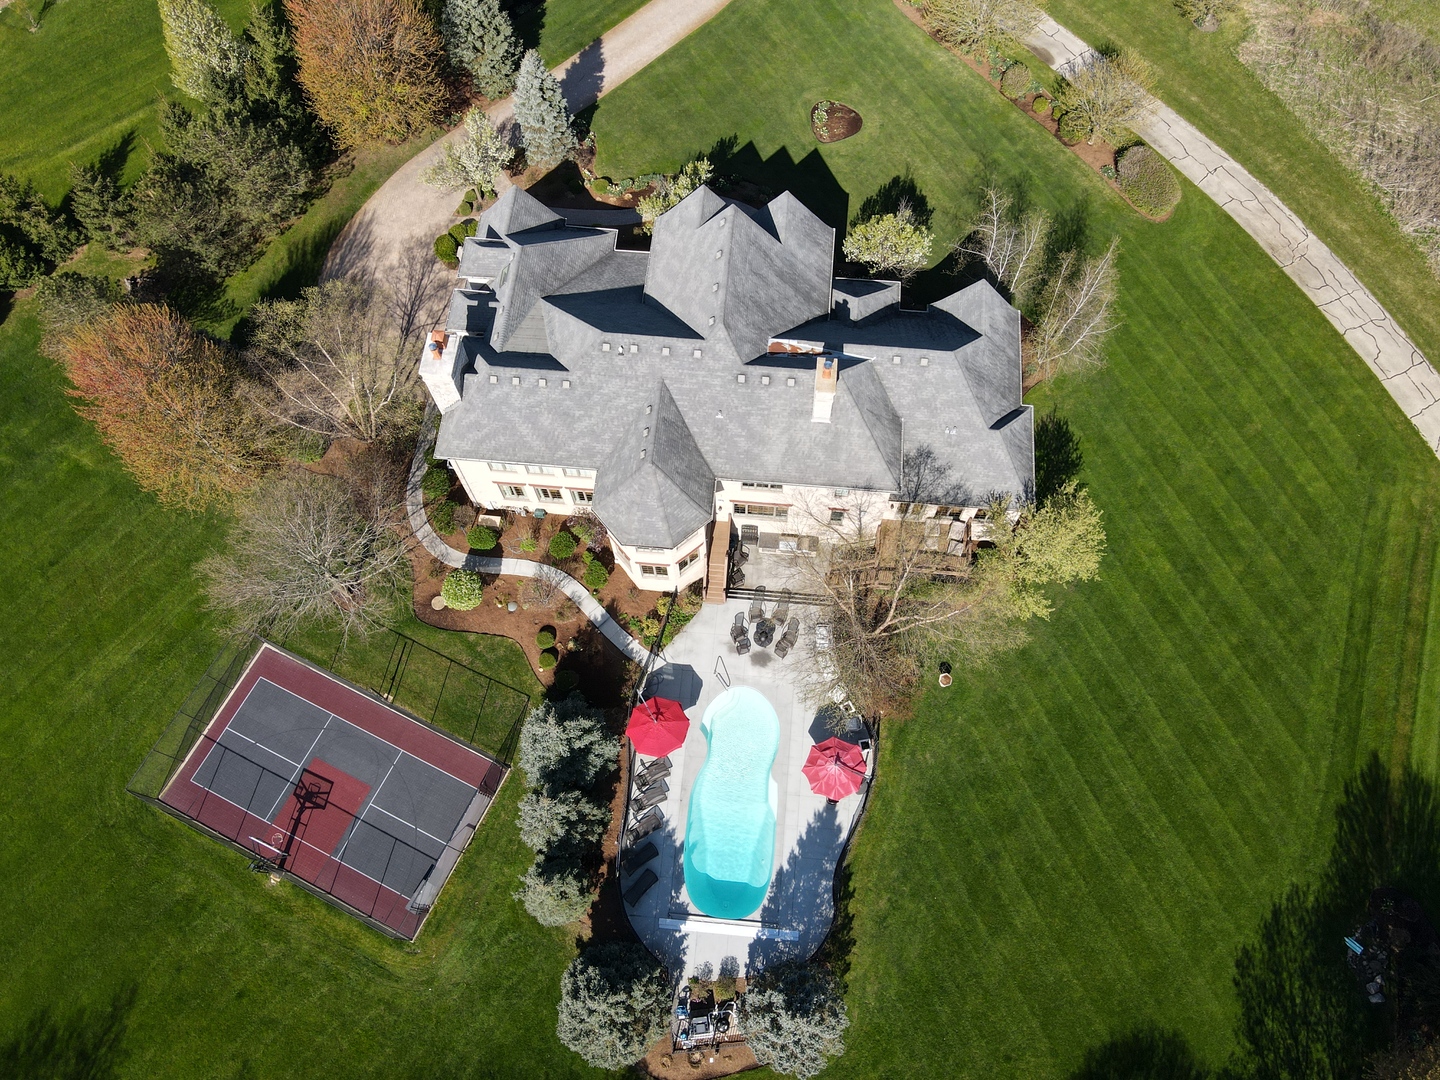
827	380
924	361
645	434
605	346
642	451
565	384
634	348
494	378
895	360
664	350
649	409
790	382
543	382
697	354
764	380
740	378
514	380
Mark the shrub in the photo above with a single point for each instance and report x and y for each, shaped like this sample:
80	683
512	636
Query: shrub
482	538
1041	104
442	517
545	638
462	230
436	484
614	1001
562	545
891	243
464	208
566	681
529	545
463	589
548	659
596	575
794	1017
583	531
1074	127
1147	180
1016	81
446	250
554	894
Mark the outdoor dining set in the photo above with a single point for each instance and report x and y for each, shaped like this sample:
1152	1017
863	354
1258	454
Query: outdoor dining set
763	628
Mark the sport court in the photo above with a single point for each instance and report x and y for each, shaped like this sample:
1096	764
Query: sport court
338	789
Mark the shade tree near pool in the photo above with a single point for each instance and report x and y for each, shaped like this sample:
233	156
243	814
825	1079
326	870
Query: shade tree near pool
565	753
794	1017
614	1000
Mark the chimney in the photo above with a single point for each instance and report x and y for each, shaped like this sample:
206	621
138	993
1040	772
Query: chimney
827	378
438	370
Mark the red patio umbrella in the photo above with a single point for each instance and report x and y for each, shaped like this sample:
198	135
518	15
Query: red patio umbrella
658	726
835	768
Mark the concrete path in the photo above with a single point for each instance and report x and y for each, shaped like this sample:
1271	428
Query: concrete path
1401	368
431	541
406	214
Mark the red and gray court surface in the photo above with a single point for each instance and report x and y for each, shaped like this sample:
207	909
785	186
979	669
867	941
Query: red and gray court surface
350	795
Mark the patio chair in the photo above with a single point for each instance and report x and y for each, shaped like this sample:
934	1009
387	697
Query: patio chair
742	645
634	858
644	825
737	629
784	645
757	609
640	886
782	609
645	777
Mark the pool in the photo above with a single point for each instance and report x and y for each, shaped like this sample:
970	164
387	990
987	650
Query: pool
730	825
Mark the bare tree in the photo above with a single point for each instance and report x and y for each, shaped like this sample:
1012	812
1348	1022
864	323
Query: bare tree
1079	315
337	360
976	24
1011	247
1106	95
905	594
310	549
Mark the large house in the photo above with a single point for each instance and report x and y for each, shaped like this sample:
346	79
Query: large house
722	376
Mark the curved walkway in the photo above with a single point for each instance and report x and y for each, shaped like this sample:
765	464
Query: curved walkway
431	541
1361	319
406	214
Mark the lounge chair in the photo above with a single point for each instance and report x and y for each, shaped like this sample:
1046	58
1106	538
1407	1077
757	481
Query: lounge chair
646	777
659	762
640	886
653	797
634	858
644	825
757	607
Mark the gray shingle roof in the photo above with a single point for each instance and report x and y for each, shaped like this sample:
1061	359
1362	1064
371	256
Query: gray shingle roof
655	488
948	377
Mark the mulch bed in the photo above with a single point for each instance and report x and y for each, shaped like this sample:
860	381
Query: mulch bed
841	121
1097	155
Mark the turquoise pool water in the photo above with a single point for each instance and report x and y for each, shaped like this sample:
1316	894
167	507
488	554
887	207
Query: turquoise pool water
730	825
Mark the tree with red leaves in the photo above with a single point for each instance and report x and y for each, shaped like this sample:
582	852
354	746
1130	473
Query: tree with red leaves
163	398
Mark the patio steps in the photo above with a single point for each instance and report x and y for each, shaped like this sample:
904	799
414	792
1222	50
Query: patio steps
719	567
772	595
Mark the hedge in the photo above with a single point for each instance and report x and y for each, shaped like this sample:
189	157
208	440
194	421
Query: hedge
1147	180
442	517
437	482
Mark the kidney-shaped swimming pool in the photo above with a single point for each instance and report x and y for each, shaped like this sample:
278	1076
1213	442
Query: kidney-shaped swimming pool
730	825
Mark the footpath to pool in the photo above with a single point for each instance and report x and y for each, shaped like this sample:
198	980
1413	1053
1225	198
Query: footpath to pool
602	620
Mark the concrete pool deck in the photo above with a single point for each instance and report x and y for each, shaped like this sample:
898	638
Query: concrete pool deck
810	832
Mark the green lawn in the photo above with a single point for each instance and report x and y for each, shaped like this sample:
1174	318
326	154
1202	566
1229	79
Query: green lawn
110	899
1073	845
1200	77
570	25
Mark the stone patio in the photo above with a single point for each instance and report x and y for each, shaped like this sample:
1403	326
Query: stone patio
810	832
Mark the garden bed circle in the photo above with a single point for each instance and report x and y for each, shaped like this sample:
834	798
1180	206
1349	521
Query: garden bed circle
832	121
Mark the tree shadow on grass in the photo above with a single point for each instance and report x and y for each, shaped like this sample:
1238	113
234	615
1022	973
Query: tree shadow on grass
1058	458
84	1045
1302	1011
528	18
896	192
1143	1054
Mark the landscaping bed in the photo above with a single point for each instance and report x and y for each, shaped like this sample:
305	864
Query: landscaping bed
832	121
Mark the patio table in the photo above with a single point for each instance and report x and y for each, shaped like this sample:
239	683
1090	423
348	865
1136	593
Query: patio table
764	633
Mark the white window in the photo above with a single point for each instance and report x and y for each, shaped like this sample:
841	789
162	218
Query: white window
646	570
539	470
500	466
688	559
582	496
512	491
762	510
765	487
840	493
550	494
575	472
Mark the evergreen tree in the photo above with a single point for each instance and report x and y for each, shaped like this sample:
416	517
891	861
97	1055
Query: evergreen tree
204	55
480	39
542	113
614	1003
33	238
100	206
794	1018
